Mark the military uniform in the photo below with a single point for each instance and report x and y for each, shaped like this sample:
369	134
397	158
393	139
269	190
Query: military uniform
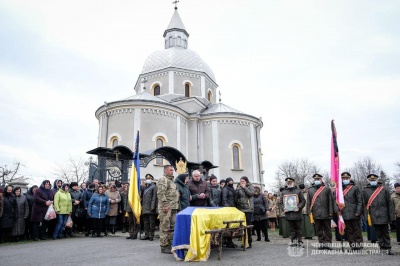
307	227
381	212
294	217
352	212
396	203
168	196
322	212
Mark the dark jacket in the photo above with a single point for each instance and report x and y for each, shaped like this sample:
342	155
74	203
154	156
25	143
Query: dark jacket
261	207
86	197
353	203
76	195
323	206
293	215
125	202
381	210
30	200
10	211
149	199
228	197
39	207
195	189
215	196
184	194
244	198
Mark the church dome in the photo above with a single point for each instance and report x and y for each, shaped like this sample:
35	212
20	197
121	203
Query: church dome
176	57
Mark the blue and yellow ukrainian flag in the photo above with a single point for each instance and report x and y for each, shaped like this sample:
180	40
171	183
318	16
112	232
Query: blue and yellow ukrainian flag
134	183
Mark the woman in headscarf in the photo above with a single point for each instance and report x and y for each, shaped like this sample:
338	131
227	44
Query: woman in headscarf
184	192
114	198
43	198
9	213
244	202
63	208
30	200
21	214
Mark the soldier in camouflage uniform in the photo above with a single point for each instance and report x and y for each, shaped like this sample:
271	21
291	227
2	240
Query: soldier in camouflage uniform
168	205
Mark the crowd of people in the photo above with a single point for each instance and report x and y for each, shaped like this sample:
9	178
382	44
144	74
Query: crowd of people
96	209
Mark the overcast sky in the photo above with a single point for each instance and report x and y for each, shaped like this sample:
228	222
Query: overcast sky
297	64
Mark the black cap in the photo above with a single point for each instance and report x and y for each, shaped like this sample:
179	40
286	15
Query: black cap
149	176
345	174
289	179
397	184
74	184
372	176
302	186
317	176
229	179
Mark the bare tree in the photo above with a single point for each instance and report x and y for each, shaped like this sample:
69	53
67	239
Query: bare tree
396	176
74	170
8	174
362	169
301	170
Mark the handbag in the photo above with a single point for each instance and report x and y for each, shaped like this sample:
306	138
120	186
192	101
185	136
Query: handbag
69	222
50	214
80	212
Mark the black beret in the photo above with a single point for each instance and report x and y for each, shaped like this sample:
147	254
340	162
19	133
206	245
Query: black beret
346	174
289	179
317	176
372	176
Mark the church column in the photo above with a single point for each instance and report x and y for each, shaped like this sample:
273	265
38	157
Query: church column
254	149
203	86
171	82
178	132
215	145
100	130
136	124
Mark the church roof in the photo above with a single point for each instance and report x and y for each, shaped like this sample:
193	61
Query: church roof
220	108
145	96
175	23
179	58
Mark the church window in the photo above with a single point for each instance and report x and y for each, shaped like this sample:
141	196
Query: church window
236	156
170	41
187	90
178	41
156	90
209	96
114	142
159	143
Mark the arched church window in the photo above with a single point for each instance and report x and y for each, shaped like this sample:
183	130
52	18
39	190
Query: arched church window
178	41
114	142
187	90
159	143
209	96
236	156
170	41
156	90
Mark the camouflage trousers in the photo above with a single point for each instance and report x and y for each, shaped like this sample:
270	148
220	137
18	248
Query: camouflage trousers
167	224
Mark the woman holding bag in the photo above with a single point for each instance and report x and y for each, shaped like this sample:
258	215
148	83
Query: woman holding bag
43	198
63	208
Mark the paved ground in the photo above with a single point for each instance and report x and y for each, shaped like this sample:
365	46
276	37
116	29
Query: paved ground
116	250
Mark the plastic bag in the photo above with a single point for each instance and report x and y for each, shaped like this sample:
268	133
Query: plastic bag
69	222
333	224
50	214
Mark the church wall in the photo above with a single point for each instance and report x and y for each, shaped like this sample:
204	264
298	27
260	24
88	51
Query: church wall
193	150
120	123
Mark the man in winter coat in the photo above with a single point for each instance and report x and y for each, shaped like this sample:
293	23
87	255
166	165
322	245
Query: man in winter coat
352	211
396	203
293	214
149	207
320	206
199	189
379	211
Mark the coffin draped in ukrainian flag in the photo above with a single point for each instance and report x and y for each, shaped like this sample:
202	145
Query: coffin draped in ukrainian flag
190	227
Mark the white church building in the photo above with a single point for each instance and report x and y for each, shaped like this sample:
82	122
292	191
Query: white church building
176	105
